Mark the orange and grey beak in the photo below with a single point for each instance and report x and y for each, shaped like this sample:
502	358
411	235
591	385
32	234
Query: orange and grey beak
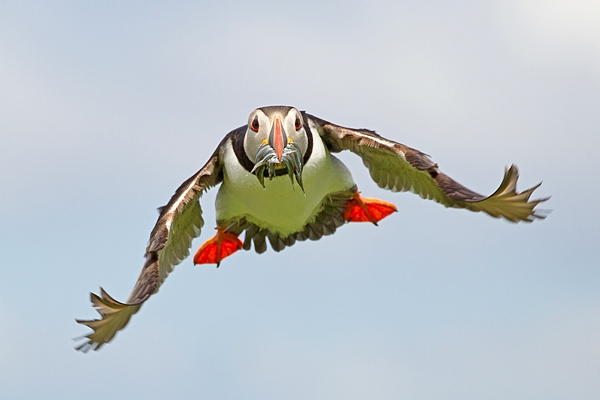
277	138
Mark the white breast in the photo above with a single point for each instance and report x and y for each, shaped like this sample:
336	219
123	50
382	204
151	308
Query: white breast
279	207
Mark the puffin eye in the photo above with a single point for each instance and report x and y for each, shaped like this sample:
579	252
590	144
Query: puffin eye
298	124
255	125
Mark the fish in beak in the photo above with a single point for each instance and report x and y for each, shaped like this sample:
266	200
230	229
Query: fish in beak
278	138
278	156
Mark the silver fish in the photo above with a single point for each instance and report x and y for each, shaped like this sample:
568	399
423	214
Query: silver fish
267	161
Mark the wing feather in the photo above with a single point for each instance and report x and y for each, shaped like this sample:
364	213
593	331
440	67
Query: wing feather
400	168
179	222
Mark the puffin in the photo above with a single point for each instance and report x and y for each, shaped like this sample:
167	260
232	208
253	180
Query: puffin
279	184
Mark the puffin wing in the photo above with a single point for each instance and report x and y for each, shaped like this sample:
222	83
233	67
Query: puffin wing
179	222
398	168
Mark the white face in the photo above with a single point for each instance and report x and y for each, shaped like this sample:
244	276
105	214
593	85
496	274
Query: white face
260	124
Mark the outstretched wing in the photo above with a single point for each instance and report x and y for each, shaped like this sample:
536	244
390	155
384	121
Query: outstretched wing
397	167
179	222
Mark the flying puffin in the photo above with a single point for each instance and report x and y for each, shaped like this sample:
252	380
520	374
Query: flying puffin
280	161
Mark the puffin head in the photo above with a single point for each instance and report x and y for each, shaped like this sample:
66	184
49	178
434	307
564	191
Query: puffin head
276	141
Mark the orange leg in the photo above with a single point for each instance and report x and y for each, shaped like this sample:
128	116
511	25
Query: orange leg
362	209
215	249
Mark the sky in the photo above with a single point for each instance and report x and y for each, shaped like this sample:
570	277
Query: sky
106	107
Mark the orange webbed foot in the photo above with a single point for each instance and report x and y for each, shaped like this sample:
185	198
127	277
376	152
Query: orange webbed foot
363	209
215	249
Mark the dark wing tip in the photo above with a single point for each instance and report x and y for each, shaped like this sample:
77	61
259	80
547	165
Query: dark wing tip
114	317
508	203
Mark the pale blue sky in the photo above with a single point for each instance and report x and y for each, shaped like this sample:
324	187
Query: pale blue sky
106	108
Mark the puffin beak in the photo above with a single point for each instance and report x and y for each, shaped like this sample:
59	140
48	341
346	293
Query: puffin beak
277	138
